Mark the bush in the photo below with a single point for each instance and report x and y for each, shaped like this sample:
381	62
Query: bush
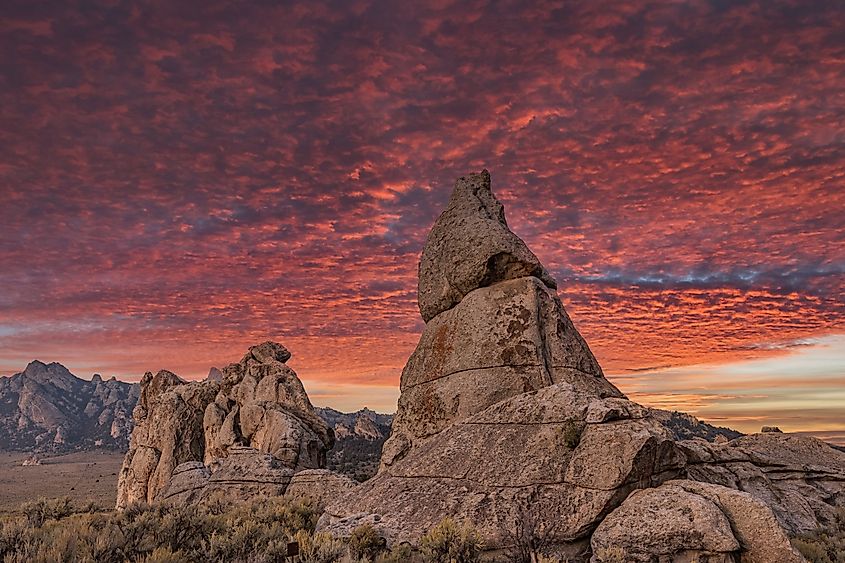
366	543
449	542
39	511
319	548
51	531
398	554
570	433
824	545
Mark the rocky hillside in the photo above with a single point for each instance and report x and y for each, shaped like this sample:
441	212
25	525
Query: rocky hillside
359	438
47	408
686	427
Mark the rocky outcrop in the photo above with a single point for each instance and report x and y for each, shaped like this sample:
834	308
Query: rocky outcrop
232	439
262	404
244	474
471	246
499	341
684	521
664	524
319	485
502	403
168	432
214	374
801	478
506	421
47	408
551	450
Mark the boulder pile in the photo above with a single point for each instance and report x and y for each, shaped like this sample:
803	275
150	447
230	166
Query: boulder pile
244	434
507	422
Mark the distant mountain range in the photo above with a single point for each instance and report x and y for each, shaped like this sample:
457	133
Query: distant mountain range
46	408
360	436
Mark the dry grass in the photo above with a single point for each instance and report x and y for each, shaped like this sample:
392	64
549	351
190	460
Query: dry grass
824	546
82	476
55	530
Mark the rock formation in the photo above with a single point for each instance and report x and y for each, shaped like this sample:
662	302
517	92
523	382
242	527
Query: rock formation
470	246
320	485
168	431
244	435
801	479
504	412
691	521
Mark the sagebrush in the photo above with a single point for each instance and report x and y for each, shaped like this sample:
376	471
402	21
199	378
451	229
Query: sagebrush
49	531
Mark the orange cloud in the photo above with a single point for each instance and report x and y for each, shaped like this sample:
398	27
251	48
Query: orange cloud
178	184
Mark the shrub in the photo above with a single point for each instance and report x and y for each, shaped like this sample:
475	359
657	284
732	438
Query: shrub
319	548
53	531
570	433
39	511
824	545
450	542
398	554
366	543
164	555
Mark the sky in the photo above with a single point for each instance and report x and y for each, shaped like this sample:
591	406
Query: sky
181	180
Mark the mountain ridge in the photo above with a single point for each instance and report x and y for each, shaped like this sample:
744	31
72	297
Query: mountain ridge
47	408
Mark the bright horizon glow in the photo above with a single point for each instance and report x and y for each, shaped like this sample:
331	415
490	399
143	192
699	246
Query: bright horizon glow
798	389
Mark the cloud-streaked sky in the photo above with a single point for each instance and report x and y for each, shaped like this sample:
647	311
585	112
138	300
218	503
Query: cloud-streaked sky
179	180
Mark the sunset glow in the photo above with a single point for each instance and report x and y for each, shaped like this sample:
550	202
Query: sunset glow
181	180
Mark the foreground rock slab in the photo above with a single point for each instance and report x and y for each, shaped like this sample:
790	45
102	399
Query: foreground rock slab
683	521
567	458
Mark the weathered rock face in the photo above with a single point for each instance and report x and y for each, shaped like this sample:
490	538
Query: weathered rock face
503	405
499	341
802	479
685	521
244	474
168	431
666	523
262	404
470	246
570	457
320	485
232	439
